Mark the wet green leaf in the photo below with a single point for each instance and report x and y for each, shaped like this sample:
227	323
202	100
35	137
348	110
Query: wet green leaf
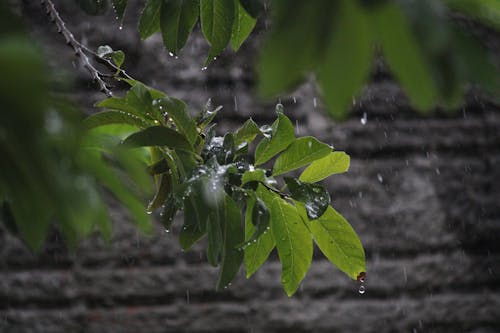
114	117
177	110
246	133
177	19
242	26
339	242
195	219
168	212
314	196
163	191
283	134
217	18
233	234
333	163
293	242
256	253
119	6
149	22
158	136
301	152
258	175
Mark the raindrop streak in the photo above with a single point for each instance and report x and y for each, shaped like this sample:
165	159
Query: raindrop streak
235	104
379	177
315	103
364	119
187	296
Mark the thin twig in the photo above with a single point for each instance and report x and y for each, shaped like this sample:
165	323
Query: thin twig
78	47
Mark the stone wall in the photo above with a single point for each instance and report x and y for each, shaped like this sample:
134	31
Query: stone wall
422	193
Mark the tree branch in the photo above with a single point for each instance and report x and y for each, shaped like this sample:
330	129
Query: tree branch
78	47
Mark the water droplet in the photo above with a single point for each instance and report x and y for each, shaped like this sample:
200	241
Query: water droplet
167	230
204	68
362	289
379	177
280	108
361	277
149	212
364	119
171	54
120	27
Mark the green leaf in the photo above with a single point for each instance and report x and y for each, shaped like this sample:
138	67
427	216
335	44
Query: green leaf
299	35
140	99
246	133
339	242
158	136
260	220
217	18
119	6
256	253
242	26
404	55
258	175
293	242
177	19
232	233
350	43
150	18
301	152
114	117
176	109
335	162
110	179
314	196
163	191
283	135
118	58
120	104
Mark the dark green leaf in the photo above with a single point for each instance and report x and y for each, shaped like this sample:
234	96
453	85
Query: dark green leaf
177	19
217	18
253	7
338	242
158	136
314	196
118	58
163	191
350	43
233	235
176	109
299	35
168	212
119	6
242	26
283	135
301	152
114	117
195	218
293	242
150	18
335	162
158	167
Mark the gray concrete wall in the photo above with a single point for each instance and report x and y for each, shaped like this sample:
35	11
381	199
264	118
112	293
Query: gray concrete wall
422	193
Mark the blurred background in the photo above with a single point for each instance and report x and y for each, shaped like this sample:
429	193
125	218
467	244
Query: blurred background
422	194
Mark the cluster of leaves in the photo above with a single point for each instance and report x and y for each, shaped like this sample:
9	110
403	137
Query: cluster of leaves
232	198
431	56
223	22
52	169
